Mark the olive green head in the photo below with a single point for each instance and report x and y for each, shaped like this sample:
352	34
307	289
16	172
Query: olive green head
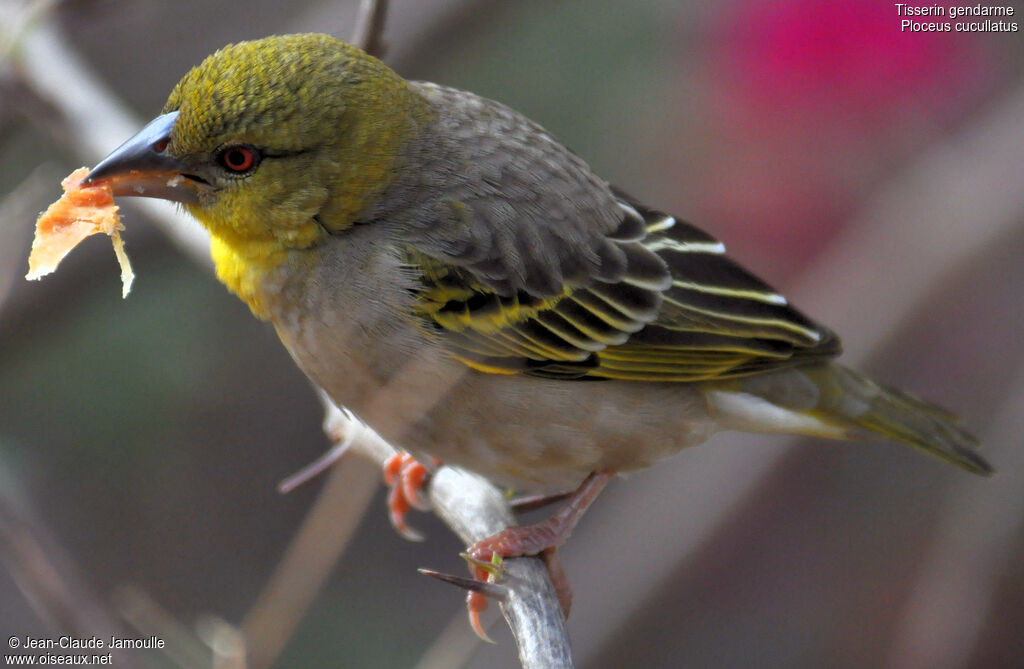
273	145
286	94
297	126
271	135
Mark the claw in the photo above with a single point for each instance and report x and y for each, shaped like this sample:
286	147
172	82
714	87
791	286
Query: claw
475	605
392	468
476	597
558	579
413	477
485	556
406	478
398	506
485	572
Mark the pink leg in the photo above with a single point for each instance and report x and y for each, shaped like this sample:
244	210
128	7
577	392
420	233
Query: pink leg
543	539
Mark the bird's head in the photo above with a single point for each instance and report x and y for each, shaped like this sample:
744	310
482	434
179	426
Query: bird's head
276	140
273	145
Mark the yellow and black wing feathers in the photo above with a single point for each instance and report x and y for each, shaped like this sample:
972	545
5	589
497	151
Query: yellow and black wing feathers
530	264
678	310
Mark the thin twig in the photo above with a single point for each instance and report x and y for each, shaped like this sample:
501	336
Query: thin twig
49	579
19	19
494	591
182	648
23	203
309	559
370	27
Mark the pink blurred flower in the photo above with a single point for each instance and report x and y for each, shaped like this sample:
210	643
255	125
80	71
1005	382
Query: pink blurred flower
824	57
811	103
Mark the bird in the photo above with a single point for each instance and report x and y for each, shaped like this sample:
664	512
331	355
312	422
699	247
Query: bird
454	274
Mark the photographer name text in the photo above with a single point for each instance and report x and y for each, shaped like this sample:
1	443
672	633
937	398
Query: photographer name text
85	643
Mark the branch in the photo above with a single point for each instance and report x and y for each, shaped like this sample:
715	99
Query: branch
474	509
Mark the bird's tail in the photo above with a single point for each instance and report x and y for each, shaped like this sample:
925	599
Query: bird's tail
833	401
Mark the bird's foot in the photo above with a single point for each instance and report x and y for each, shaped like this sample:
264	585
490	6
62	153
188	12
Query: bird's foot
406	477
485	556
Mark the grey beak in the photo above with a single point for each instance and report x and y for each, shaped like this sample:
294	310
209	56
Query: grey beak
141	166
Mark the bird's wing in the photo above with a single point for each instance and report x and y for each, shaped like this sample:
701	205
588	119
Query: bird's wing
662	303
531	264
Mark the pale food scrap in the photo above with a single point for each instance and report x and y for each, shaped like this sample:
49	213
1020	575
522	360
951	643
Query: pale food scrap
82	211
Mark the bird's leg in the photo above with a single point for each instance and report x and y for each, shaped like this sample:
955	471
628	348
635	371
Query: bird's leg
542	539
518	540
405	476
559	580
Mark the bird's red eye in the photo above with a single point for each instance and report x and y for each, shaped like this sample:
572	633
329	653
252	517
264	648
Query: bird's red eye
238	158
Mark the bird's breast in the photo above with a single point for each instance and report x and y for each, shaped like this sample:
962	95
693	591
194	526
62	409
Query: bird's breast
347	317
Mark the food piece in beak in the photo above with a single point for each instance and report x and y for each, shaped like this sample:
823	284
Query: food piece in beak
84	210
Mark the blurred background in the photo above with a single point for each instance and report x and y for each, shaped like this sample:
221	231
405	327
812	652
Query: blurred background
874	176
